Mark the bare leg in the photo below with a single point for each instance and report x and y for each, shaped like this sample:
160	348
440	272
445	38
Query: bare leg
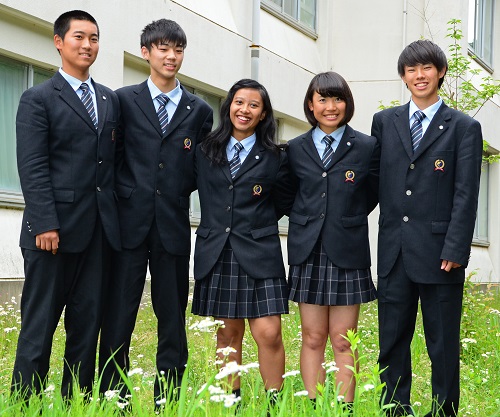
231	335
341	319
314	320
267	334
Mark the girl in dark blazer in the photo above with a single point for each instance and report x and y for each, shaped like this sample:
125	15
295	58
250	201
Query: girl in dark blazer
243	180
335	170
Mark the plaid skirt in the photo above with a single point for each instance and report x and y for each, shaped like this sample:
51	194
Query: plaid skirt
319	281
228	292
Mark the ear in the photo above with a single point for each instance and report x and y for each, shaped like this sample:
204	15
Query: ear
145	53
262	116
310	104
58	42
441	73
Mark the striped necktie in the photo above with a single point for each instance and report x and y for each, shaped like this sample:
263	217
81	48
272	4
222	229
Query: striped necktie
235	162
162	112
328	152
88	103
416	129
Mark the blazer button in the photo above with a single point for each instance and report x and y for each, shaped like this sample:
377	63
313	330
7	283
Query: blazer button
228	208
98	189
228	229
405	219
230	187
408	192
322	216
160	165
323	195
412	166
324	174
158	192
100	161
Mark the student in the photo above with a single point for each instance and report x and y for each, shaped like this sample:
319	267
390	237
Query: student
160	127
65	156
336	173
238	264
429	181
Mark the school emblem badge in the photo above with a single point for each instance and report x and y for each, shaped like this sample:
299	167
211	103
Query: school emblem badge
349	176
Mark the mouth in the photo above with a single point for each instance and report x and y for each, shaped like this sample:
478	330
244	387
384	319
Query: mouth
421	85
85	54
331	117
243	119
170	67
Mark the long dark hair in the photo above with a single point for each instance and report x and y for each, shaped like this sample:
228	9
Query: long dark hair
214	146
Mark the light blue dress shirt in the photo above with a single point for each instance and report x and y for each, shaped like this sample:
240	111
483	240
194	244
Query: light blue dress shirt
318	135
174	97
429	113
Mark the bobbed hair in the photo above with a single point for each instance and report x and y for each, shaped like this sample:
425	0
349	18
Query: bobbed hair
214	146
63	22
423	52
329	84
163	31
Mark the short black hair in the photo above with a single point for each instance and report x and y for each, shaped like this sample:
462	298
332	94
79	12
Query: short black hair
423	52
63	22
329	84
163	31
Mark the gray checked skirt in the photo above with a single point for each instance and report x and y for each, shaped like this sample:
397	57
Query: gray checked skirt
319	281
228	292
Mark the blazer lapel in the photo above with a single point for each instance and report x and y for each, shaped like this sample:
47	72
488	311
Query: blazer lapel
184	108
252	159
102	107
438	126
145	104
71	98
402	124
345	145
310	148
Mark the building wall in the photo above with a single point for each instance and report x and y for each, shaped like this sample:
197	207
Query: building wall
360	40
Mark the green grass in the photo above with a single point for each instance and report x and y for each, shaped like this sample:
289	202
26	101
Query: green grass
480	369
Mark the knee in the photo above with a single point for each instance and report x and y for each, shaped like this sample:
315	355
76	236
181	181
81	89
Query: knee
314	340
229	337
340	344
269	337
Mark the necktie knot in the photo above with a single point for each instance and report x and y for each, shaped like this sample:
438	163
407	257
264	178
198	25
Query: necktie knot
162	99
84	87
328	140
238	147
419	115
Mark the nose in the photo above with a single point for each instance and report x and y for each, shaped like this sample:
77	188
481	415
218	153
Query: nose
331	104
86	42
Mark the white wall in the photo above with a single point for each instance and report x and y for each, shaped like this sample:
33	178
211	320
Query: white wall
359	39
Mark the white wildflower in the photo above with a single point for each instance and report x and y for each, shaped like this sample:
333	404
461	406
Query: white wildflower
135	371
301	393
290	373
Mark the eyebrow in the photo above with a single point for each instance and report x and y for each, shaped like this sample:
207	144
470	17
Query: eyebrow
81	32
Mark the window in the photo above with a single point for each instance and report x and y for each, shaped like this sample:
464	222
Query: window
481	228
15	77
480	30
299	13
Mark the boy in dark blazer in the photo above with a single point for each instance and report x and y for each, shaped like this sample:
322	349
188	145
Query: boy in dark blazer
65	155
429	181
161	125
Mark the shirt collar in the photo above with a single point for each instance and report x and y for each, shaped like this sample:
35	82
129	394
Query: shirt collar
318	134
247	143
75	83
174	95
429	111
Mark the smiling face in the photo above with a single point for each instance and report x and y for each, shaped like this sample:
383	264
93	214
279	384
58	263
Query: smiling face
79	48
422	80
165	61
328	111
245	112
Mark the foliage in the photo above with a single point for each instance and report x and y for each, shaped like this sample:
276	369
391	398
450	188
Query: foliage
203	392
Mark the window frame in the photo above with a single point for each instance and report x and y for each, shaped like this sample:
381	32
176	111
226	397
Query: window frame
278	12
480	26
10	198
483	212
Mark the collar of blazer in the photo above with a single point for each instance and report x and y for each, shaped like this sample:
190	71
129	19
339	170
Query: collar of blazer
145	104
71	98
255	156
438	125
347	142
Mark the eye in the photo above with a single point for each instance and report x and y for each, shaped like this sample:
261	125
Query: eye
338	100
179	50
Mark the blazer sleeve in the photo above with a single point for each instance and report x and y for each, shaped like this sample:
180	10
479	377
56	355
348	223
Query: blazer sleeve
33	162
466	189
284	194
373	178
